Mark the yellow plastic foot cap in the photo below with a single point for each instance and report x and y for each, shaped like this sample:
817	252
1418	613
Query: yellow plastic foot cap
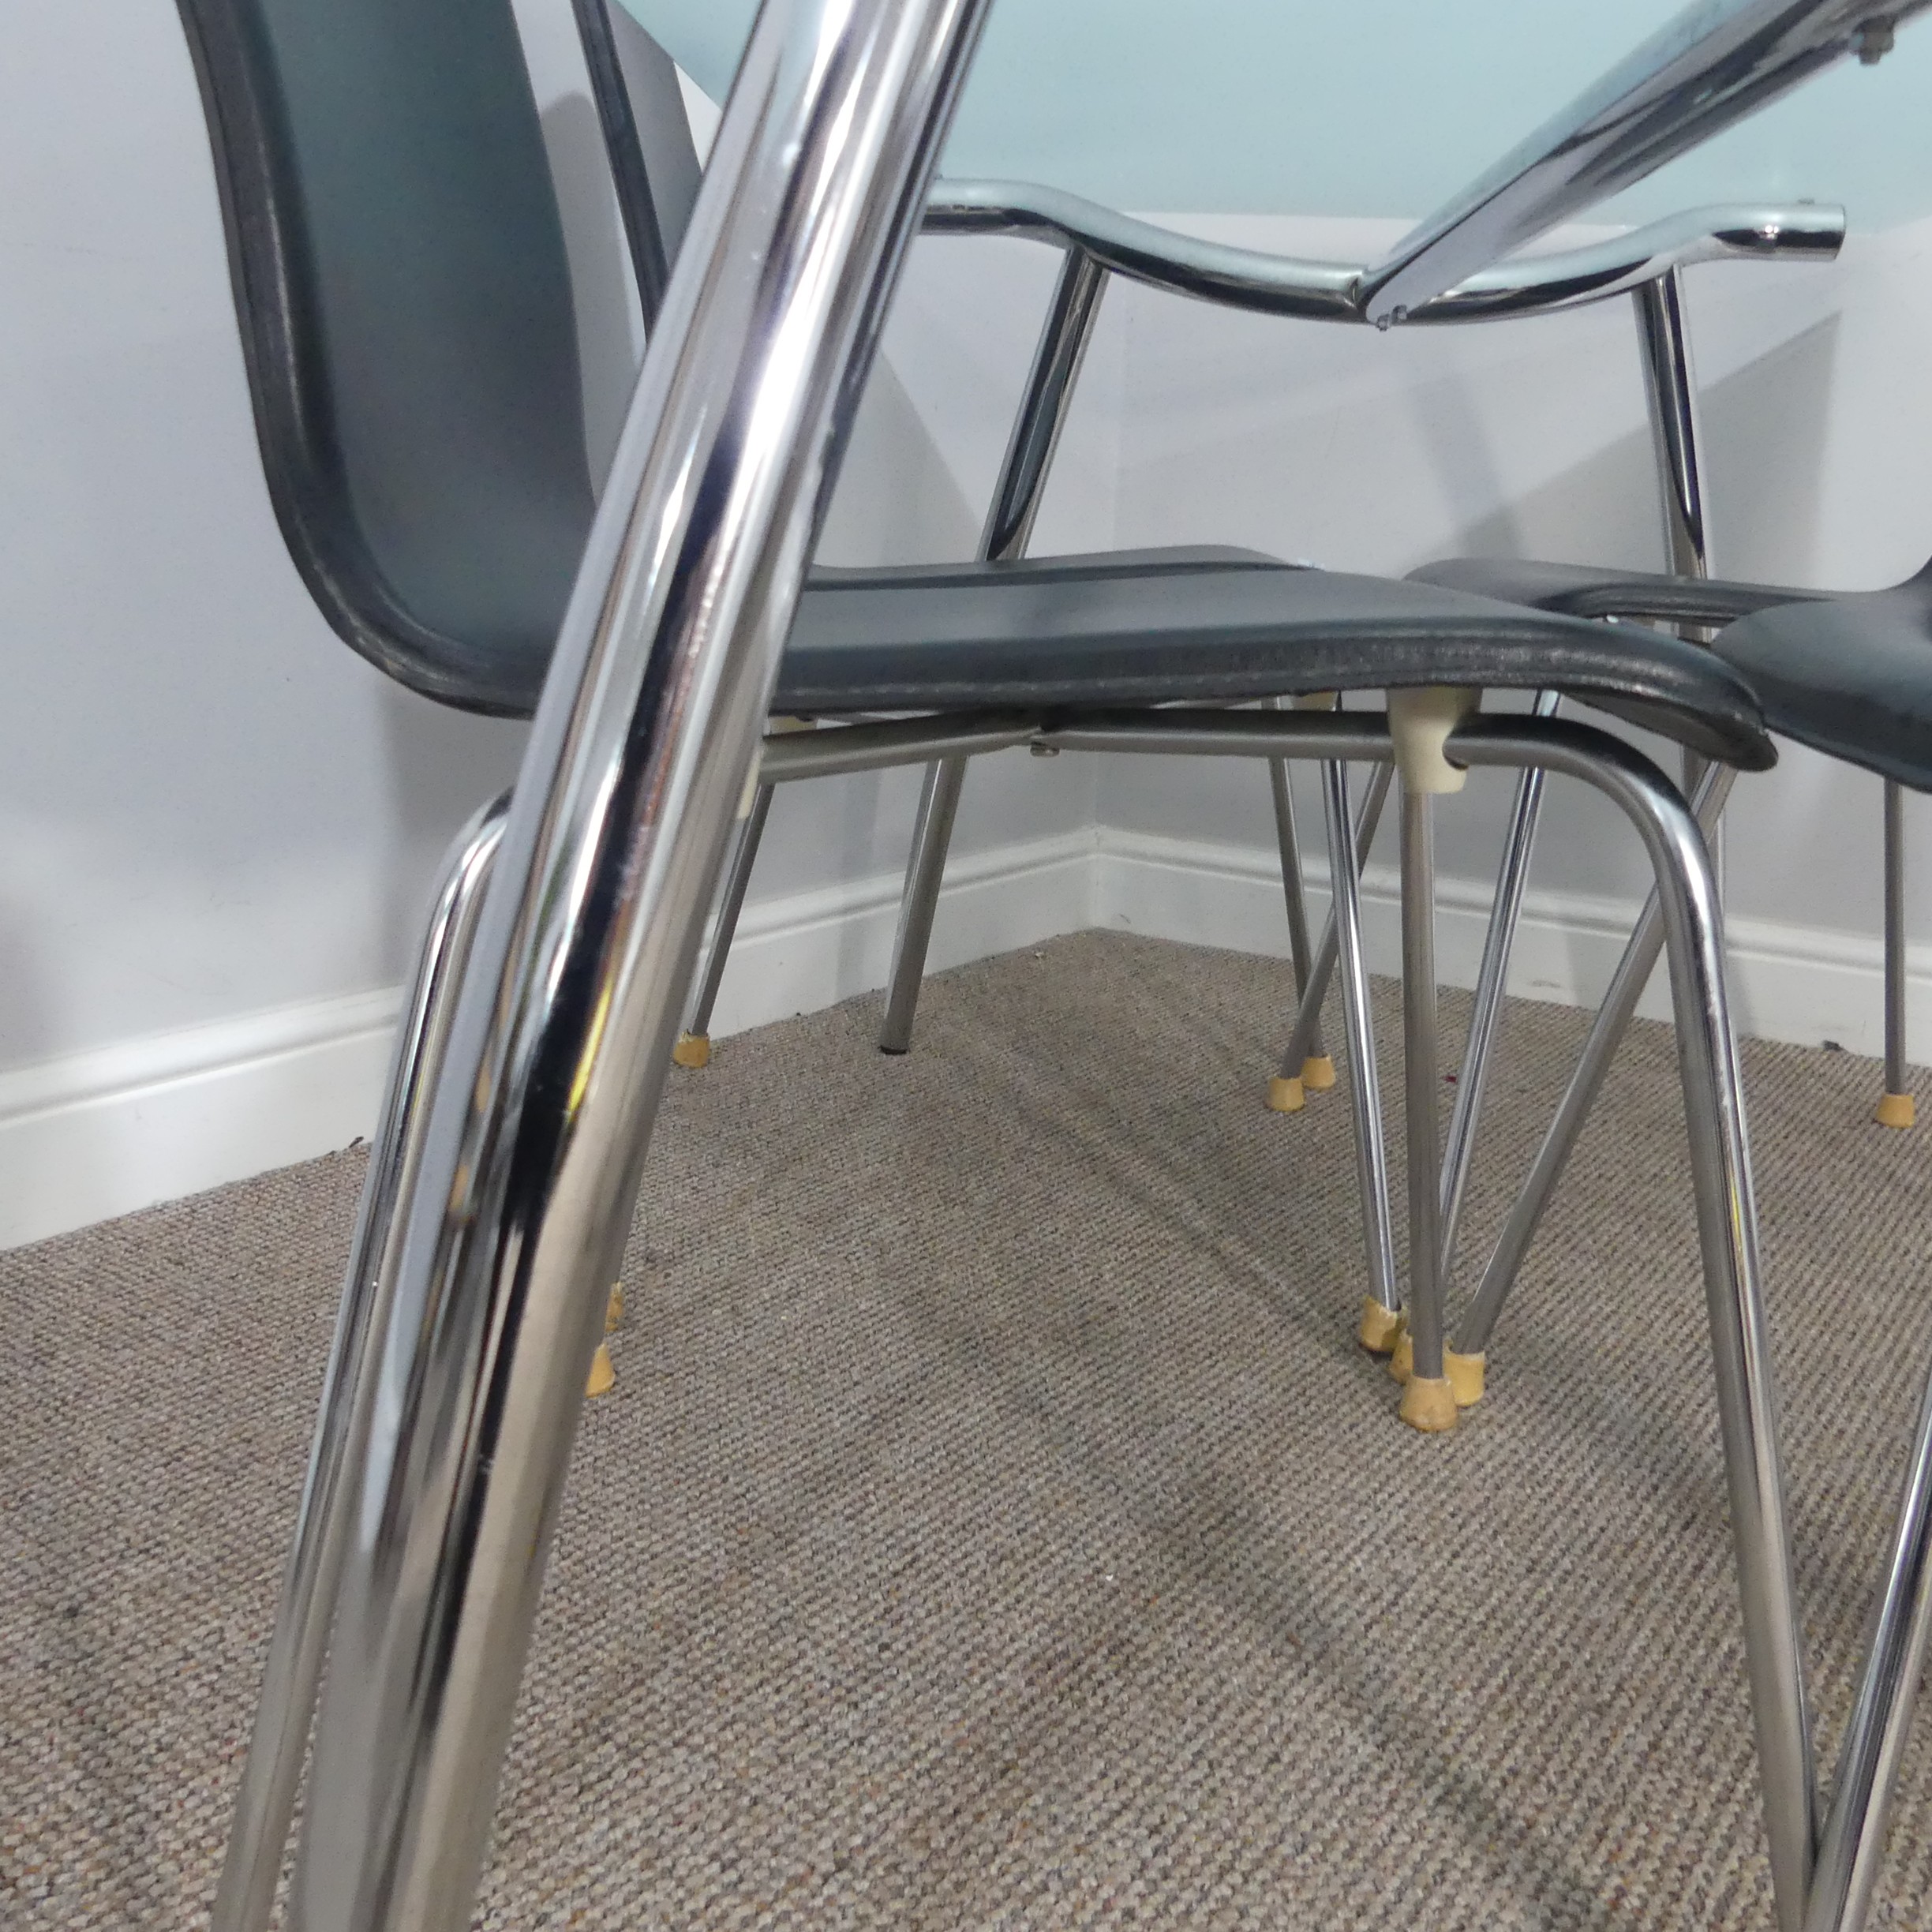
1895	1110
1428	1404
1402	1357
613	1309
1285	1095
1318	1073
692	1050
1464	1374
1379	1327
603	1376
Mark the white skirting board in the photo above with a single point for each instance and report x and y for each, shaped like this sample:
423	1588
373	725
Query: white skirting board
105	1133
1789	982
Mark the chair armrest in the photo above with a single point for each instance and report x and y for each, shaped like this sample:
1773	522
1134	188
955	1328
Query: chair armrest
1716	62
1322	291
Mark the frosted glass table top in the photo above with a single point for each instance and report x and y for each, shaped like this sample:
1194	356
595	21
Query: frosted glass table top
1380	107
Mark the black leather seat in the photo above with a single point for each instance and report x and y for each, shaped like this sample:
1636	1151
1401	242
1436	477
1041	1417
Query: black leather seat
1224	626
1849	674
1589	590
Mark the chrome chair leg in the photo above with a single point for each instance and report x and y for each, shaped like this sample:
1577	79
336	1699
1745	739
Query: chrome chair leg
1851	1848
1896	1107
1491	979
1318	1070
1285	1091
1686	902
292	1671
1612	1021
540	1119
1429	1403
1381	1305
693	1043
932	834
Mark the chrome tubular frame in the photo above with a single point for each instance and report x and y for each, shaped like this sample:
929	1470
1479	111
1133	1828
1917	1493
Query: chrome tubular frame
1421	1069
731	903
1689	925
292	1671
1670	390
1895	1072
1320	291
1314	995
534	1129
1288	846
1486	1011
1044	406
1606	1034
1852	1848
1344	934
402	1347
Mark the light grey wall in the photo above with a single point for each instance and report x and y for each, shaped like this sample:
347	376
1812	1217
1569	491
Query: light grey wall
209	807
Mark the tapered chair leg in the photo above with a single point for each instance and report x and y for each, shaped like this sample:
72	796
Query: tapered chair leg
1686	904
1287	1090
693	1043
1317	1070
932	834
1381	1307
1429	1403
291	1672
1896	1107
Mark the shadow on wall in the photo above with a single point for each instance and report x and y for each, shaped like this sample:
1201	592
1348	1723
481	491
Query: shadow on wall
1765	427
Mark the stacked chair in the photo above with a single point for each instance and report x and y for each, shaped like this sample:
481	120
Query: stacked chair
405	307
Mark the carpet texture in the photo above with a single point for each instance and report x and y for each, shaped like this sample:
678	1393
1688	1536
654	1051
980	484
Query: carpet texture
994	1523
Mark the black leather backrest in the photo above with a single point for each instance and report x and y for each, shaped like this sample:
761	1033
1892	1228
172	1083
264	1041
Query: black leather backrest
406	319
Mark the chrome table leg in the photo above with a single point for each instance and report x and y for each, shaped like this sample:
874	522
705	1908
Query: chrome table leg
693	1043
1381	1304
540	1118
292	1671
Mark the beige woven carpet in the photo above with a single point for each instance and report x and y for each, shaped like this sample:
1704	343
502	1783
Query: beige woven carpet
995	1525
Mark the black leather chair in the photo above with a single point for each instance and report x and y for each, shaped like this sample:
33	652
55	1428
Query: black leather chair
406	307
407	321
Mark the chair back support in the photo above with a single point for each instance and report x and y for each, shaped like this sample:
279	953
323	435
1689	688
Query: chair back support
406	320
647	139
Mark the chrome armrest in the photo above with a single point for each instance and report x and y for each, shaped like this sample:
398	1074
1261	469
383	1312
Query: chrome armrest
1242	278
1322	291
1569	278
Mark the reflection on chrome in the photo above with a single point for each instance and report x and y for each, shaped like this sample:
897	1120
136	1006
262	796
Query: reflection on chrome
1320	291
